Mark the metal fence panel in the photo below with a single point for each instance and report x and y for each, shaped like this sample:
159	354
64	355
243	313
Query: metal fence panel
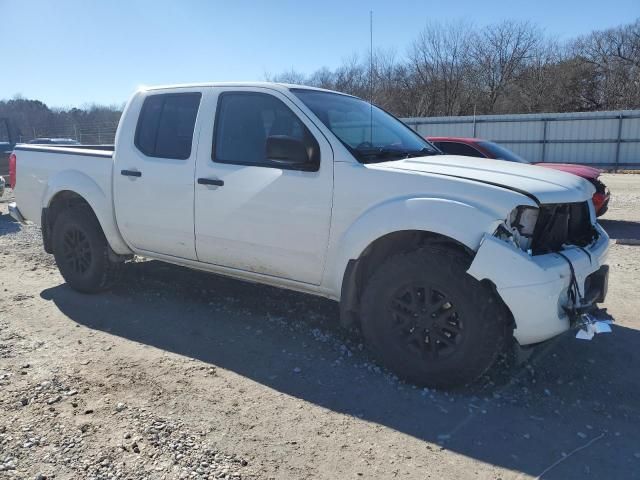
631	127
607	139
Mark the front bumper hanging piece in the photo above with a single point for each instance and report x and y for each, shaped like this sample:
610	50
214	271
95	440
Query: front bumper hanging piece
594	322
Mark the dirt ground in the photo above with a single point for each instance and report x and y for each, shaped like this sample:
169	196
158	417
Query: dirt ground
180	374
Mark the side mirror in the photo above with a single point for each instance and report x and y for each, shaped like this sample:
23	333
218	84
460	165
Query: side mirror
288	151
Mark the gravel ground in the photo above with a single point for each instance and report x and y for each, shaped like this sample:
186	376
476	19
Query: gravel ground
180	374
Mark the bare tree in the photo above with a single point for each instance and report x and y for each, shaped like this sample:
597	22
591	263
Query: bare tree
440	60
457	69
292	76
539	85
614	58
499	55
323	78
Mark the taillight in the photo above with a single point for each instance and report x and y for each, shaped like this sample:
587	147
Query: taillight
12	170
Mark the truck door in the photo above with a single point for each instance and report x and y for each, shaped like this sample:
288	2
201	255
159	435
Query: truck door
252	213
153	176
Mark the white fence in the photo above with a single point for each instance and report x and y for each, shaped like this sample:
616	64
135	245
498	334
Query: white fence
604	139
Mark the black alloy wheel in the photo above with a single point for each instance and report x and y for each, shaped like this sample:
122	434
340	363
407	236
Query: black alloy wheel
426	320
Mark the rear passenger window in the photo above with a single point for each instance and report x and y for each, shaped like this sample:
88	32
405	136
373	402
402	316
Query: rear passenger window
166	123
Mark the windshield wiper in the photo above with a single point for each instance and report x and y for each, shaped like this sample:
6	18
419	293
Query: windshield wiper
426	151
379	154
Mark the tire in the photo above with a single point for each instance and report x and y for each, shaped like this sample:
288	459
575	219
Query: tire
430	322
82	253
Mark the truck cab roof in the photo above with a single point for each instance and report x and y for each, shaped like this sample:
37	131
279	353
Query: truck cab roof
271	85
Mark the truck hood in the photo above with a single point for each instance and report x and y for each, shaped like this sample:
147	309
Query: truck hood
545	184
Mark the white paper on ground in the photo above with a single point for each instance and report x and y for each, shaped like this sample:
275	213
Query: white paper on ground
592	327
602	327
585	334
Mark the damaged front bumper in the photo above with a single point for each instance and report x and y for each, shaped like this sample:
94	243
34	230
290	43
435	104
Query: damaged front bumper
535	288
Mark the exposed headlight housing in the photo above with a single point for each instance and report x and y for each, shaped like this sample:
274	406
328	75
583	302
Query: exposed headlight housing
519	227
523	219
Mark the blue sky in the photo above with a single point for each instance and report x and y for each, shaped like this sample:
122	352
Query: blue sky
73	52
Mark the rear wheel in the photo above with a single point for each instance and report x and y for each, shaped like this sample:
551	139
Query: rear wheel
431	322
82	253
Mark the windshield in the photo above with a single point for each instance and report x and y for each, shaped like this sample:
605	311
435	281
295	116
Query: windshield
501	153
370	133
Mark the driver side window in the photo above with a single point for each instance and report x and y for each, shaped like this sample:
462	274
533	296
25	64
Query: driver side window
244	121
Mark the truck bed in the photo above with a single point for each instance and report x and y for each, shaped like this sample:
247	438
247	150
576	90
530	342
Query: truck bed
64	148
61	167
4	154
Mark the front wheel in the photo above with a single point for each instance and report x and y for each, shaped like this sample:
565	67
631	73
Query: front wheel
82	253
431	322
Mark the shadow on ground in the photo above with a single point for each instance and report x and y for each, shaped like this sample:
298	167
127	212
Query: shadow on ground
621	229
8	225
570	393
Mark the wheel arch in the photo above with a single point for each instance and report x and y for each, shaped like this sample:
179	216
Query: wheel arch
72	189
358	270
461	222
397	225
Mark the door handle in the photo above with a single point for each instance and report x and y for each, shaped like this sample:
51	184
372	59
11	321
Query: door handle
211	181
131	173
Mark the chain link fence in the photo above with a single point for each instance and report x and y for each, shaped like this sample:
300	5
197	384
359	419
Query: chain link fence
91	134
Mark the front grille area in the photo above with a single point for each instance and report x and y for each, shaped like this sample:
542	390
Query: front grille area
561	224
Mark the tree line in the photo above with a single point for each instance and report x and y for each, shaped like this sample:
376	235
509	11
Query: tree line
450	69
29	119
455	69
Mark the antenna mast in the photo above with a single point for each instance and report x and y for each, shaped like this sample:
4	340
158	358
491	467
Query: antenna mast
371	77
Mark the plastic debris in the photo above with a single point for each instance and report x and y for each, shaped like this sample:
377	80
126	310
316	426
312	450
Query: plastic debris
594	323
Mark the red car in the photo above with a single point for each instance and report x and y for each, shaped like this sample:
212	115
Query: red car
476	147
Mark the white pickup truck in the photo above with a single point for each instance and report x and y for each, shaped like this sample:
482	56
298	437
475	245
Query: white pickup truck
442	260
